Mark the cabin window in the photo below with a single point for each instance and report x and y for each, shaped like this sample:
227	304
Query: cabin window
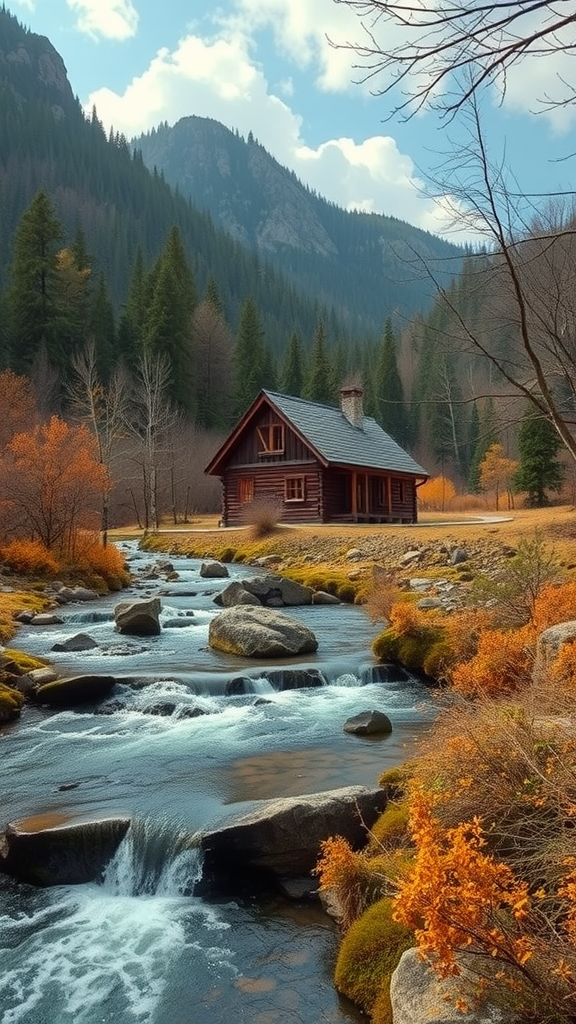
271	438
294	488
245	489
401	491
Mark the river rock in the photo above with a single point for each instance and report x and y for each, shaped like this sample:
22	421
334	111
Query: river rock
75	690
46	619
417	994
295	678
271	588
138	618
213	570
458	555
260	633
78	642
282	837
387	672
49	850
234	594
549	644
321	597
28	683
68	595
369	723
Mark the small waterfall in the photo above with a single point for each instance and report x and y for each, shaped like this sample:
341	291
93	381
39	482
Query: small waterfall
153	859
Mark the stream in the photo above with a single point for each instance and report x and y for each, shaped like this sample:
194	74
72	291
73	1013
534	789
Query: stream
187	737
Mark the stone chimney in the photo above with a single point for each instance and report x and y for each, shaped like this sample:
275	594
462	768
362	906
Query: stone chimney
351	405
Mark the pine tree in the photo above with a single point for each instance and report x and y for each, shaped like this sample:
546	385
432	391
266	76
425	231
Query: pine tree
539	469
319	386
131	326
33	298
292	378
389	391
248	356
102	329
487	436
212	295
167	328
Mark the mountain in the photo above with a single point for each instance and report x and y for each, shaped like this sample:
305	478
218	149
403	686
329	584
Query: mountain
97	184
368	266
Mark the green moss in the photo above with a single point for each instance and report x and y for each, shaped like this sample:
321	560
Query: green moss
414	651
369	953
25	662
438	660
394	780
11	702
227	554
385	646
391	826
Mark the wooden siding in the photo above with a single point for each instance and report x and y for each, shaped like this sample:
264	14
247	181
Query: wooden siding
249	449
269	482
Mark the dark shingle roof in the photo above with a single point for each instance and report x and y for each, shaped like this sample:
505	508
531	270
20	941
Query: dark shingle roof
338	441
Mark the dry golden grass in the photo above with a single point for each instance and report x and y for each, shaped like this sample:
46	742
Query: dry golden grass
556	526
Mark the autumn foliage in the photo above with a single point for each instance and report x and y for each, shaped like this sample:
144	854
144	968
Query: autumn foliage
436	494
51	489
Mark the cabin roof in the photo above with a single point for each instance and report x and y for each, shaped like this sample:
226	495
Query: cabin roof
333	438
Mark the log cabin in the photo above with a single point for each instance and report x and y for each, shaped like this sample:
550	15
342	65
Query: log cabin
322	464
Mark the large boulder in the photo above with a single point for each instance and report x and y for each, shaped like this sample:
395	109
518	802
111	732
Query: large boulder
282	837
549	645
213	571
67	693
260	633
277	591
138	618
236	593
50	850
418	994
78	642
369	723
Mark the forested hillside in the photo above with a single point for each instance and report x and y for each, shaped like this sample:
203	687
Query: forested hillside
367	266
95	183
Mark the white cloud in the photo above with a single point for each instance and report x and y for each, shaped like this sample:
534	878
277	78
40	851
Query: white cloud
111	19
28	4
219	78
305	33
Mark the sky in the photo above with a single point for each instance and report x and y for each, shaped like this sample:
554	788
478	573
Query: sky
270	67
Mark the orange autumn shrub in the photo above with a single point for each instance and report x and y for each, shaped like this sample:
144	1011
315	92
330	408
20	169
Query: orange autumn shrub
436	494
28	557
89	556
554	604
463	630
562	671
459	897
345	873
502	663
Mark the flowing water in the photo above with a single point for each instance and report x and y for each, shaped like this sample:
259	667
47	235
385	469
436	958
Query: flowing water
187	737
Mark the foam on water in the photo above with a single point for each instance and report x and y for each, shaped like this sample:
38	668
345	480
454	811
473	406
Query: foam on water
103	952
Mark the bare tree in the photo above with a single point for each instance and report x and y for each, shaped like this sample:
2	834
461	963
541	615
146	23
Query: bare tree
420	45
103	407
213	350
526	328
152	421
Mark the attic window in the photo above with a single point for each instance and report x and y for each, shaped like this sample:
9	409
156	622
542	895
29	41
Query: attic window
271	438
